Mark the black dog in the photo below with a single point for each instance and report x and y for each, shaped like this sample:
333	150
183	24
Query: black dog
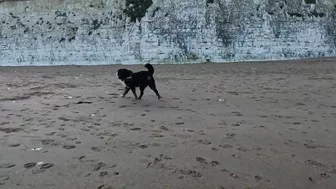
140	79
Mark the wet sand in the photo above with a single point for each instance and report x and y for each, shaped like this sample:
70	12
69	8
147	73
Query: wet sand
232	126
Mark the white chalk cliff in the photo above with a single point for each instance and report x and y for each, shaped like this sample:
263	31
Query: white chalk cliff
64	32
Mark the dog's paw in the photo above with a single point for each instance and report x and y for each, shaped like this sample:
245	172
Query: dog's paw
122	96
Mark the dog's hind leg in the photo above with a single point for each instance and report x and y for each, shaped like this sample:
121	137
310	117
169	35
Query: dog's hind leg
127	89
153	87
142	88
134	92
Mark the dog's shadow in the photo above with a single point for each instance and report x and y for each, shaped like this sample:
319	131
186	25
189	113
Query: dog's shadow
150	101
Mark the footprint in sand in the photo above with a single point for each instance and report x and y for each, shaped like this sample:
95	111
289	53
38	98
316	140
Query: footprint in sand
81	158
47	165
257	148
13	145
64	119
116	173
112	166
101	187
105	187
4	178
98	166
226	146
30	165
38	171
50	134
104	173
143	146
315	163
324	175
156	135
191	173
135	129
240	176
236	156
68	147
214	163
42	169
62	135
205	142
215	149
83	102
180	177
155	144
164	128
4	123
201	160
48	142
311	179
238	113
258	178
71	139
230	135
6	165
310	144
96	149
10	130
242	149
235	124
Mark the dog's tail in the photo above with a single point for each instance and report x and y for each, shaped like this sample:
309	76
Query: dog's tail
150	68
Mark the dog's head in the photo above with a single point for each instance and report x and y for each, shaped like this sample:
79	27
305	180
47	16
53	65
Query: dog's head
122	74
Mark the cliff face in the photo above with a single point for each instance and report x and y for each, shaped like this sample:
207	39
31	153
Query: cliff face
54	32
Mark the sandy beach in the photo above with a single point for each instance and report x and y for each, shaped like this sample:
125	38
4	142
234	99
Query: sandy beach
218	126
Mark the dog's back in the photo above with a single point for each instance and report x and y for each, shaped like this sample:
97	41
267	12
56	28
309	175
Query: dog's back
138	78
142	77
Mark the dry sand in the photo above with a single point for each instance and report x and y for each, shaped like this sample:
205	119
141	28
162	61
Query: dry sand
232	126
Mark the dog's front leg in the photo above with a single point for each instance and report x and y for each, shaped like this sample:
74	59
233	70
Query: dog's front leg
127	89
134	92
